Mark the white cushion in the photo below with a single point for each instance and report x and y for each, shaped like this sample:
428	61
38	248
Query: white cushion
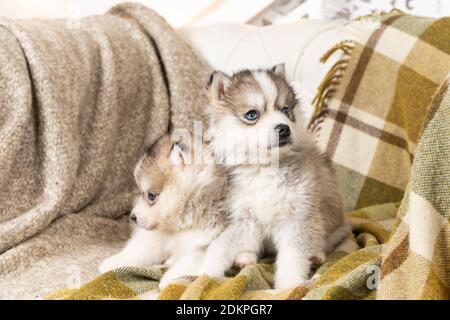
230	47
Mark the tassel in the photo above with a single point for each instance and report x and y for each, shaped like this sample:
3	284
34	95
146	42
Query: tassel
329	84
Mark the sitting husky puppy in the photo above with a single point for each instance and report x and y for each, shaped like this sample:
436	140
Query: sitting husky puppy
290	206
179	211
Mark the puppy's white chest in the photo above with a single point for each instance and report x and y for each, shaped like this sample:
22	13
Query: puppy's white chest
262	195
189	240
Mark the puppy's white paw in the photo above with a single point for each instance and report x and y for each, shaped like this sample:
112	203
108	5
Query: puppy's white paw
213	270
168	278
245	258
165	281
288	281
111	263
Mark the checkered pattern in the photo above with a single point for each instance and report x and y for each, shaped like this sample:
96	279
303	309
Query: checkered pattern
416	264
371	125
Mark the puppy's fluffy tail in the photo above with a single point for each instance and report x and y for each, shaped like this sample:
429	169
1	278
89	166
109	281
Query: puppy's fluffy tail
336	237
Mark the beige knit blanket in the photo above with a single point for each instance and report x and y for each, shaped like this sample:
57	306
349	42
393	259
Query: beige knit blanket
79	100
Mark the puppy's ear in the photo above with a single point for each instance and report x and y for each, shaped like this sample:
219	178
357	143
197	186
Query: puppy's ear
179	155
279	70
218	85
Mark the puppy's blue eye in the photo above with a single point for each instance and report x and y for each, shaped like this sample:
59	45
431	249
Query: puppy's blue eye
252	115
285	110
152	196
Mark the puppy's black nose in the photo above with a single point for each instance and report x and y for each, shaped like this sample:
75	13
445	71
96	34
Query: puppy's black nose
283	130
133	217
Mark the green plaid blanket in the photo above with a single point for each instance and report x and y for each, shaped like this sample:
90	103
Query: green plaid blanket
377	119
416	264
369	118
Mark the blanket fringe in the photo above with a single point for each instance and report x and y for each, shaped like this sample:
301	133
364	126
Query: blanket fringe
330	82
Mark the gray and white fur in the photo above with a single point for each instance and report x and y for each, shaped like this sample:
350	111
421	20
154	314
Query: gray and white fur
293	208
179	211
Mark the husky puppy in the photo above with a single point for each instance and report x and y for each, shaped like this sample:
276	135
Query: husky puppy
179	211
283	195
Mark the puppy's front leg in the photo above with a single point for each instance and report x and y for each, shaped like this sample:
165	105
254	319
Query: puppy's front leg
145	248
240	236
295	249
184	266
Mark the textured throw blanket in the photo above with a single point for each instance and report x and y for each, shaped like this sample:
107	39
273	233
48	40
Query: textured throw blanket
79	101
385	123
416	263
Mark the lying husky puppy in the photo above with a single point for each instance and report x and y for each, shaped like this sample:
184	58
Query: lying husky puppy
293	206
179	212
